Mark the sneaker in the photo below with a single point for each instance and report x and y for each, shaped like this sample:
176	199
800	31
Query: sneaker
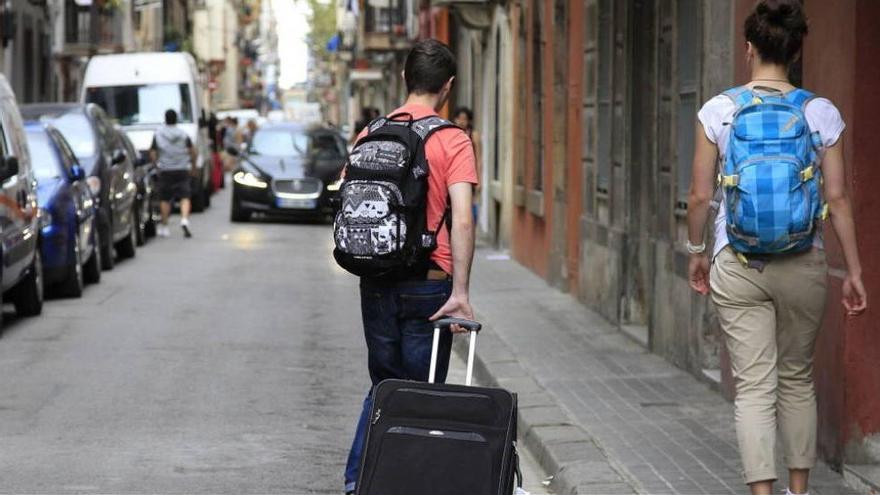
163	231
184	224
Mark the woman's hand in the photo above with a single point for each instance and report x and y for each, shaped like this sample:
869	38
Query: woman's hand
698	273
855	299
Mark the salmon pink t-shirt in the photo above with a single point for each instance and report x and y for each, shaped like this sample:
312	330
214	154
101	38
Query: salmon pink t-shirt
451	160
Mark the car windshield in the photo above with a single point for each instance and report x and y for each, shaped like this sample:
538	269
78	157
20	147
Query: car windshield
77	130
143	104
44	156
279	143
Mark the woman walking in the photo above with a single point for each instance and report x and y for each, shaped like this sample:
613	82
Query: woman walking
781	173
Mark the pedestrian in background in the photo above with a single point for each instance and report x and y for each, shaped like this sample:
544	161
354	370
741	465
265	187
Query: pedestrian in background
770	302
397	313
360	124
249	132
175	157
464	118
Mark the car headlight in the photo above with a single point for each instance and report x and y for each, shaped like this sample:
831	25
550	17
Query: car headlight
249	179
94	185
335	185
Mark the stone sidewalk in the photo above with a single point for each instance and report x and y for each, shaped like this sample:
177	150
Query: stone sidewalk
603	415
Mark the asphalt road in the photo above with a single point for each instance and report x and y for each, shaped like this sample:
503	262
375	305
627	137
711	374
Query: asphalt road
232	362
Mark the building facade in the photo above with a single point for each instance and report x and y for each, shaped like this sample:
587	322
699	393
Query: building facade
25	48
215	34
587	113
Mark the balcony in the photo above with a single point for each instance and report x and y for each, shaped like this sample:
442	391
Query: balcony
385	25
89	29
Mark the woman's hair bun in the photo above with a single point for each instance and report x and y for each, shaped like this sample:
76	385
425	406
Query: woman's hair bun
775	11
777	28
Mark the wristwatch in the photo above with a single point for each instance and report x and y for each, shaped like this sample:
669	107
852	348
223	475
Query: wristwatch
696	249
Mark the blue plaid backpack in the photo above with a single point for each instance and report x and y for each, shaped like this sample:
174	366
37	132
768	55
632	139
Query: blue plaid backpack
770	174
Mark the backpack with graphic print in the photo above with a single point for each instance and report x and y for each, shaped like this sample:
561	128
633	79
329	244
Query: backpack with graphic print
770	174
380	226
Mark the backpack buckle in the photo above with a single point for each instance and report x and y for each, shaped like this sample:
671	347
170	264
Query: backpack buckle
728	180
808	173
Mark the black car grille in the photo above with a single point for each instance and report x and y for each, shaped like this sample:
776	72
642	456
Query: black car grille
298	186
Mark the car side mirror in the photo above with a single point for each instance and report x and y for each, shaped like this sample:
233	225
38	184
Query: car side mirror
118	157
232	150
8	168
77	172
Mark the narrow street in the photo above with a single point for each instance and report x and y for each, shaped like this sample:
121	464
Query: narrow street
229	363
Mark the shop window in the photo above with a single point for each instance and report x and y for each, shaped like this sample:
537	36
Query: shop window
537	120
687	44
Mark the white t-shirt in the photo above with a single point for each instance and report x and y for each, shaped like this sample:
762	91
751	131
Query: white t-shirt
822	116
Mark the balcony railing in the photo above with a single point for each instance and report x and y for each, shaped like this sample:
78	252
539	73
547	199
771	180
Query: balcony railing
87	28
385	26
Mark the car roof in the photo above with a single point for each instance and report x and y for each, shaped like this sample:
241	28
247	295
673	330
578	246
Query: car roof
37	111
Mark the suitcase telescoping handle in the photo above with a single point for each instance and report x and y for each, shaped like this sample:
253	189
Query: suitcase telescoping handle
472	327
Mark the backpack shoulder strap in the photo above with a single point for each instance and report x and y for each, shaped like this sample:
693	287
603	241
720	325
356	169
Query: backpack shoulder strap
800	98
740	96
429	125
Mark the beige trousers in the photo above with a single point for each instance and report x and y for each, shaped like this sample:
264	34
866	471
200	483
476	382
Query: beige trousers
770	320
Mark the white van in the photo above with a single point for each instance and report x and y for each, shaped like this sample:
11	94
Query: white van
135	89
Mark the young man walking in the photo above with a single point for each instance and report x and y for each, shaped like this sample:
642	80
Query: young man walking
175	156
397	313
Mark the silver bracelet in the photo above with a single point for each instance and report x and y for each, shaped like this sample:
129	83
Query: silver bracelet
696	249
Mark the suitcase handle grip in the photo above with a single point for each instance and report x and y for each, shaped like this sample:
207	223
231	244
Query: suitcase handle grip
469	325
473	328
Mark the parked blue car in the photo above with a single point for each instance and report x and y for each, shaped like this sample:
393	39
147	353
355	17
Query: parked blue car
69	233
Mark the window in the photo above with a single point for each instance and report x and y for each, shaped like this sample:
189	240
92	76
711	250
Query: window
521	92
279	143
604	95
537	120
44	156
687	41
144	104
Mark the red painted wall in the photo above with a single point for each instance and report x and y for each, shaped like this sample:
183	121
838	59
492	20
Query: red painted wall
530	243
574	143
863	338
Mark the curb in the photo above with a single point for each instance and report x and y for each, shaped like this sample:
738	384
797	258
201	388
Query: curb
576	462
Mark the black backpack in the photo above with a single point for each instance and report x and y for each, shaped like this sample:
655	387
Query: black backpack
380	226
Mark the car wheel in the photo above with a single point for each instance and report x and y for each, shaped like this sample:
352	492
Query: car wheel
75	282
127	246
92	268
237	213
28	298
198	196
107	260
141	226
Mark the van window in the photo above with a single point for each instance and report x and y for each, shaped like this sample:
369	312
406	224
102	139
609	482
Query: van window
143	104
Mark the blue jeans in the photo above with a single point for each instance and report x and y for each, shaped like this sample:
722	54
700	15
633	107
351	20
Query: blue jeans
399	338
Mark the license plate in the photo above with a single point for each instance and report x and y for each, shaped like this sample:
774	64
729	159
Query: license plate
297	204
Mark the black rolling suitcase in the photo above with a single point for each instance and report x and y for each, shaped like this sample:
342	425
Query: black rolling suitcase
436	439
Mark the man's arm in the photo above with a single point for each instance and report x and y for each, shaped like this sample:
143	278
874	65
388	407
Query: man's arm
462	242
154	151
193	156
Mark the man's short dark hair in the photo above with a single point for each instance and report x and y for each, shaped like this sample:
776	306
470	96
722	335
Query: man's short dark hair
170	117
429	65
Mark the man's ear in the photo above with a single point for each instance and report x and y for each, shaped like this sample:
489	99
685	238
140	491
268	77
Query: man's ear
449	84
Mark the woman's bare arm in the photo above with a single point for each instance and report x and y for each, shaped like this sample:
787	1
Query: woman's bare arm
701	192
854	296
